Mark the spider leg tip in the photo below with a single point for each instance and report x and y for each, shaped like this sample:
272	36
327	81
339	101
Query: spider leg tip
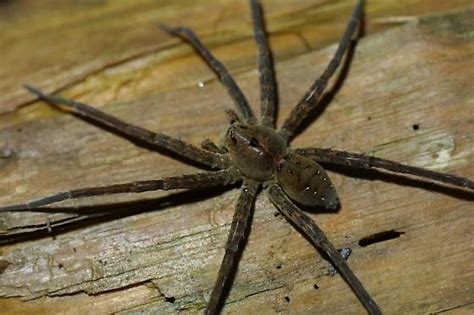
32	89
29	87
164	27
175	31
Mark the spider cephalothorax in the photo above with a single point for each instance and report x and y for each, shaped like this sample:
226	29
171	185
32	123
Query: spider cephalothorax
254	150
256	154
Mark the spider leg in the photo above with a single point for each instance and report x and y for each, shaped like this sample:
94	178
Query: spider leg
159	140
309	228
235	243
232	115
345	253
192	181
265	67
311	97
208	145
369	162
224	76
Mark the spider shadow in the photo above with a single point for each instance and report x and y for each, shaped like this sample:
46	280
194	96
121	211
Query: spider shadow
92	215
6	3
328	96
401	180
137	142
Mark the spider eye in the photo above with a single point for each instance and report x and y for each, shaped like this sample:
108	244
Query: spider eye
231	136
279	166
254	143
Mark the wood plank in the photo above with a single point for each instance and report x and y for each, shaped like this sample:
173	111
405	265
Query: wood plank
159	255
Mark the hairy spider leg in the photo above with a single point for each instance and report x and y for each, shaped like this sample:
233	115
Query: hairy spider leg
309	228
192	181
268	86
208	145
311	97
155	139
355	160
226	79
235	244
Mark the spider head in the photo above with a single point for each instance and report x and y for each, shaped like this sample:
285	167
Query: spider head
306	182
254	150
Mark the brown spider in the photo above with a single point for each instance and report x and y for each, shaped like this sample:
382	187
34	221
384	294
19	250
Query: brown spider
255	154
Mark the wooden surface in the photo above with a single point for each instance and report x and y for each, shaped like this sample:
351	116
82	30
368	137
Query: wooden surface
408	97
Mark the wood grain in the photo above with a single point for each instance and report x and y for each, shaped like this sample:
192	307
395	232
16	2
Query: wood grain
408	97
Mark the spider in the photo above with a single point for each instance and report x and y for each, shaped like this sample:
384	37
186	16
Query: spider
255	153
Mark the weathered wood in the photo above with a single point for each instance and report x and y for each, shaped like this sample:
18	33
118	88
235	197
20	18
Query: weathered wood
59	44
415	75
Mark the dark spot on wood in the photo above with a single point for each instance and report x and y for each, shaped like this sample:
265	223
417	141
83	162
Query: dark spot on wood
170	299
278	267
369	118
287	299
4	265
415	127
60	266
316	287
379	237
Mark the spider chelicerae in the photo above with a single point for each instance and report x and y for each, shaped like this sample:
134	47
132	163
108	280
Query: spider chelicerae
255	154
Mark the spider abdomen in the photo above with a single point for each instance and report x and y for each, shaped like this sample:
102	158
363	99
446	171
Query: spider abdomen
306	182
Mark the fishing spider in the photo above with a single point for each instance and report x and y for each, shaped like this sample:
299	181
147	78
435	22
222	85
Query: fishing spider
255	153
